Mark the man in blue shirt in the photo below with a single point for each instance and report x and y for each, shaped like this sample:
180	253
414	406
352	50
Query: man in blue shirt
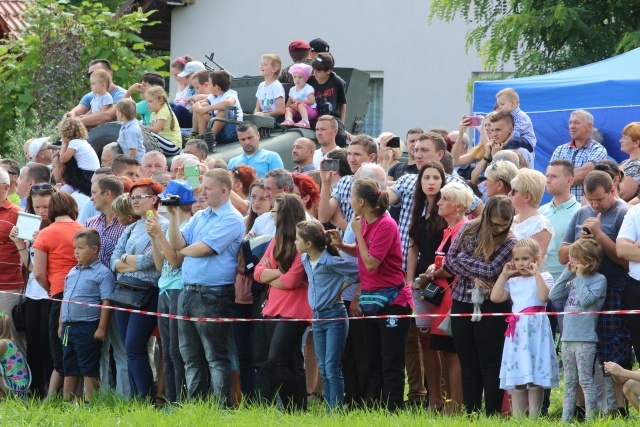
262	160
209	242
84	106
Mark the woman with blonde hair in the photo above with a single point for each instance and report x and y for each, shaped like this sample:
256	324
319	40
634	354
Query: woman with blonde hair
527	189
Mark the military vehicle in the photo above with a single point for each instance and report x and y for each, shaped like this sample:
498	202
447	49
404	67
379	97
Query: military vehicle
272	136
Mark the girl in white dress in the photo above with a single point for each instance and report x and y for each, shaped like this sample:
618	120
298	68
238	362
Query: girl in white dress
529	361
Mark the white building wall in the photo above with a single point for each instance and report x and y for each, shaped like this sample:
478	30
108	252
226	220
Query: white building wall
425	67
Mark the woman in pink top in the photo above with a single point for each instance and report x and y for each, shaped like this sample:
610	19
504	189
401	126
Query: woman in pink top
379	253
282	270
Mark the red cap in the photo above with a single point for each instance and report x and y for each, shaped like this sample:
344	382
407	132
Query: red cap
299	45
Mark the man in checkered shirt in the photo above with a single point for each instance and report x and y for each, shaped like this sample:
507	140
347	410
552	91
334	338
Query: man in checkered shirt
582	151
430	147
362	149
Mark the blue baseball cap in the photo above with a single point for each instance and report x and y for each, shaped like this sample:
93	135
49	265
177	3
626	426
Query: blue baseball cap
180	188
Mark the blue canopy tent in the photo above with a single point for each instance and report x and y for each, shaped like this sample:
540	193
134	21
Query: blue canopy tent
609	89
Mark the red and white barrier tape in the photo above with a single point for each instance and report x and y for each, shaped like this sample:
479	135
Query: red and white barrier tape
395	316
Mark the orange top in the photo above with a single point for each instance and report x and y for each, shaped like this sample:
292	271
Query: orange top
56	241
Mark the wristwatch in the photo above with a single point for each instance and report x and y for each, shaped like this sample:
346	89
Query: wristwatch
486	160
123	258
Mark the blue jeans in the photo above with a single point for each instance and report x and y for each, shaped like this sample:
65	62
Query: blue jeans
173	364
208	337
227	134
135	331
330	339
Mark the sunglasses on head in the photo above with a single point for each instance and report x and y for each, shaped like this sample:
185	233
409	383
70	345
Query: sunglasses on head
42	188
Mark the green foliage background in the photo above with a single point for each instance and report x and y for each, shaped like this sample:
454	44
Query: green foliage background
541	36
43	70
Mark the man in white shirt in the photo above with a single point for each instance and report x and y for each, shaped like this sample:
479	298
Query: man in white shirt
326	131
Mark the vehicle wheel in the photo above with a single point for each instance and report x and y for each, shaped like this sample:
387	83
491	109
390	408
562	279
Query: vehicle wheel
108	132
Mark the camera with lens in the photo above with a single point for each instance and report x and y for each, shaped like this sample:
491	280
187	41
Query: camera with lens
170	201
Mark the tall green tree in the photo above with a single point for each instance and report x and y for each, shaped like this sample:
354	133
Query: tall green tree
541	36
43	69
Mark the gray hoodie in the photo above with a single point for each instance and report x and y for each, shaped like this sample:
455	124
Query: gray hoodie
584	293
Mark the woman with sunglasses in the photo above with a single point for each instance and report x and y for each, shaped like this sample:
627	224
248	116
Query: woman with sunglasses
133	257
499	176
53	258
477	256
37	306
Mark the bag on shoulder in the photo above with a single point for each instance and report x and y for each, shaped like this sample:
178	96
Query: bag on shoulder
131	293
372	302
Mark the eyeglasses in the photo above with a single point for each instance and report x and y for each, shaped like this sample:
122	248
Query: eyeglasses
42	188
235	170
494	225
274	211
12	173
513	192
140	197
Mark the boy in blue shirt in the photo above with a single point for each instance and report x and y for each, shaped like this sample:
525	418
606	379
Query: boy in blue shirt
82	328
509	102
130	139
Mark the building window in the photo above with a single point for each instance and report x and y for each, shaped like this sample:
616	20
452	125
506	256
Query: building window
373	119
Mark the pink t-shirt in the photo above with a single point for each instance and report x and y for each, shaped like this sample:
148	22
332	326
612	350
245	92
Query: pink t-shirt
293	301
383	240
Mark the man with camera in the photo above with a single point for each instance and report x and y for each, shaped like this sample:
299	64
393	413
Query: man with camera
209	242
326	131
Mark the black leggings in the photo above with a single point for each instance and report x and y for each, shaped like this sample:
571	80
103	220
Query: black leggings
385	342
631	301
38	348
479	346
286	363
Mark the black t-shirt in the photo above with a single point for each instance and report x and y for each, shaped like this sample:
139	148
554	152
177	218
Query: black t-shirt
329	95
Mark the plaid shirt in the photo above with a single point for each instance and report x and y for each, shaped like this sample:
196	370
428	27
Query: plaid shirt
591	152
404	189
342	192
307	168
462	263
522	126
109	235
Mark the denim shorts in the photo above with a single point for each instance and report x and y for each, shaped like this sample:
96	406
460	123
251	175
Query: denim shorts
81	351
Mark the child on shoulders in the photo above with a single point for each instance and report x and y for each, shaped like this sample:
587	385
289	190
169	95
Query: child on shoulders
270	93
15	376
130	138
102	99
529	361
302	100
509	102
74	144
83	329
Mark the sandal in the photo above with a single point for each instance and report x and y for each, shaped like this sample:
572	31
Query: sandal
288	123
303	124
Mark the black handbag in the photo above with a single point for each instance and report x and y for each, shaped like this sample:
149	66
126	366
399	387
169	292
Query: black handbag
131	293
18	314
433	294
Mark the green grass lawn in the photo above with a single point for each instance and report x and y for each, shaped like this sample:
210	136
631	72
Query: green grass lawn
110	411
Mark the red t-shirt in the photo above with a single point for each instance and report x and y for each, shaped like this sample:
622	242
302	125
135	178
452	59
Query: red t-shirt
383	240
293	301
56	241
10	265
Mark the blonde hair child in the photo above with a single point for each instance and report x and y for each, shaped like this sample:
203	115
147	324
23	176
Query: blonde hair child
529	361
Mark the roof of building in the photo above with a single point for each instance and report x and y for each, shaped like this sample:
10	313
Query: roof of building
11	16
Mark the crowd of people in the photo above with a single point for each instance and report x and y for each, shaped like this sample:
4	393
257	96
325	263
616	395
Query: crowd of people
353	230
